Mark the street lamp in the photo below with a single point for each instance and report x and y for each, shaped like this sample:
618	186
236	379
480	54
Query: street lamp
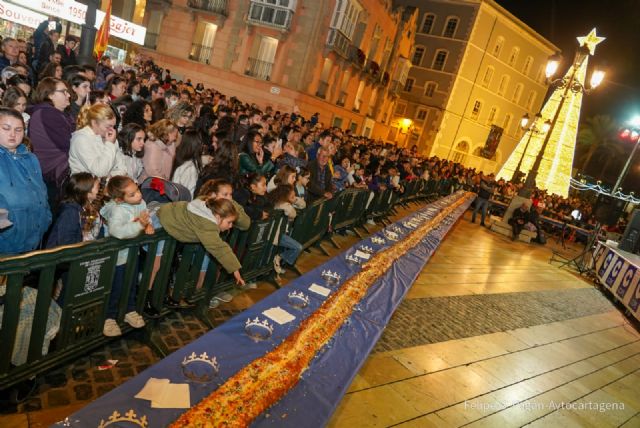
532	128
568	84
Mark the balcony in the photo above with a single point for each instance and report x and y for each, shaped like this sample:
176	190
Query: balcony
396	87
339	43
200	53
259	69
269	15
342	99
373	68
322	89
357	57
151	40
218	7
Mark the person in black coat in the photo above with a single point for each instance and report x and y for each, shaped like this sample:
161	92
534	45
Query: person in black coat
320	182
518	219
67	53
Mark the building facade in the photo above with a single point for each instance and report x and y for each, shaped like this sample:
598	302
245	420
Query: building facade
345	59
476	70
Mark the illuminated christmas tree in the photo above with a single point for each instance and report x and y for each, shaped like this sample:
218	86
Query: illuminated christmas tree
554	171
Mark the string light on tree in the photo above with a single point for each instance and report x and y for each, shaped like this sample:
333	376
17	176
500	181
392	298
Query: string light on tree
551	169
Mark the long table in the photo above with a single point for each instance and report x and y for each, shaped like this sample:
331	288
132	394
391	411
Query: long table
313	400
619	272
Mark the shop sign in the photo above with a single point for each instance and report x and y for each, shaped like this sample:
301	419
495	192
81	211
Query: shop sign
73	11
19	15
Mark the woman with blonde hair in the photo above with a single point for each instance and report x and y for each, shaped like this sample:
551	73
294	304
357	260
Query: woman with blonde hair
182	115
160	150
93	145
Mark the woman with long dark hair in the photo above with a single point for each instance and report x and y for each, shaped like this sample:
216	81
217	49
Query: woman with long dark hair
254	159
225	164
139	112
187	164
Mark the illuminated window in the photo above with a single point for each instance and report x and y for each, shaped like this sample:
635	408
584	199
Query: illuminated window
514	56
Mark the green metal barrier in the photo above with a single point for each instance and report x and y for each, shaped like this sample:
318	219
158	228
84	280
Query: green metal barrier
87	271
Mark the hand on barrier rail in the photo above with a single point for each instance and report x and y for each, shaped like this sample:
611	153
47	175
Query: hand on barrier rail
238	278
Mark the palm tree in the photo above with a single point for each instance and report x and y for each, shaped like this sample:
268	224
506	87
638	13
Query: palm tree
598	133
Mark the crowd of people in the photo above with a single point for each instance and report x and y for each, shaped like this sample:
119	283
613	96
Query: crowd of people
84	150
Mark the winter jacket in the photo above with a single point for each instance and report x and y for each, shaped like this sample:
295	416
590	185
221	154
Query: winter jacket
194	222
50	133
158	159
131	166
119	218
67	228
24	195
187	175
249	164
89	153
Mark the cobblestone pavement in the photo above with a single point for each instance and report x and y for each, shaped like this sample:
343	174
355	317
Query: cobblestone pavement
422	321
90	376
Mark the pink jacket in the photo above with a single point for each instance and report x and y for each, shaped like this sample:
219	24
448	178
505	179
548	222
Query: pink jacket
158	159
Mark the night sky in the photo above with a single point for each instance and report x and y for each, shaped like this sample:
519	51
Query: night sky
561	21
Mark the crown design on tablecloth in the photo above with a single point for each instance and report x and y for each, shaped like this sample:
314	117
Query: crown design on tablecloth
366	249
130	417
409	224
256	322
331	276
396	229
391	235
352	258
378	240
300	296
204	357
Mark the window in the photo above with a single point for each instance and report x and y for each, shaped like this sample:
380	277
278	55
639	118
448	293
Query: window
497	48
202	46
488	75
514	56
450	27
460	153
430	89
273	13
526	69
517	93
408	86
504	82
421	114
418	53
475	112
345	17
427	24
492	115
506	124
439	60
400	109
530	100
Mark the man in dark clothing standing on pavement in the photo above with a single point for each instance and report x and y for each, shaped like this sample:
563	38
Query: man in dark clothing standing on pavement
487	184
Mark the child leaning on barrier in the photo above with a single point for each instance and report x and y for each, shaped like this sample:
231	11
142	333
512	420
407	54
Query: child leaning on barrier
126	216
284	198
202	220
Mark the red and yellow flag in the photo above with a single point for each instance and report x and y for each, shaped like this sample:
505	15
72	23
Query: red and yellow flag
102	37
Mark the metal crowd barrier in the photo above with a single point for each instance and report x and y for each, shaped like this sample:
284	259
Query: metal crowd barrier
37	334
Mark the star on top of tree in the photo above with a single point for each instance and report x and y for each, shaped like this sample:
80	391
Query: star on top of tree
591	40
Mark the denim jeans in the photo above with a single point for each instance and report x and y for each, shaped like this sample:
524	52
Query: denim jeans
480	203
292	249
116	292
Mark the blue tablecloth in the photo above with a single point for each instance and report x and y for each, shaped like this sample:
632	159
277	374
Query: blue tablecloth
313	400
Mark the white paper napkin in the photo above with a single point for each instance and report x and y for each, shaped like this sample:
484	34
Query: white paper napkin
362	255
279	315
172	396
166	395
319	289
152	388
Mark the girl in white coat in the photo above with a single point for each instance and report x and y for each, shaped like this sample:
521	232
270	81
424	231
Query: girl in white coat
93	146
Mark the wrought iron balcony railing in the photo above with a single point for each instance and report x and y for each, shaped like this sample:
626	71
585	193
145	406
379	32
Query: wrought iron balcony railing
216	6
200	53
259	69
